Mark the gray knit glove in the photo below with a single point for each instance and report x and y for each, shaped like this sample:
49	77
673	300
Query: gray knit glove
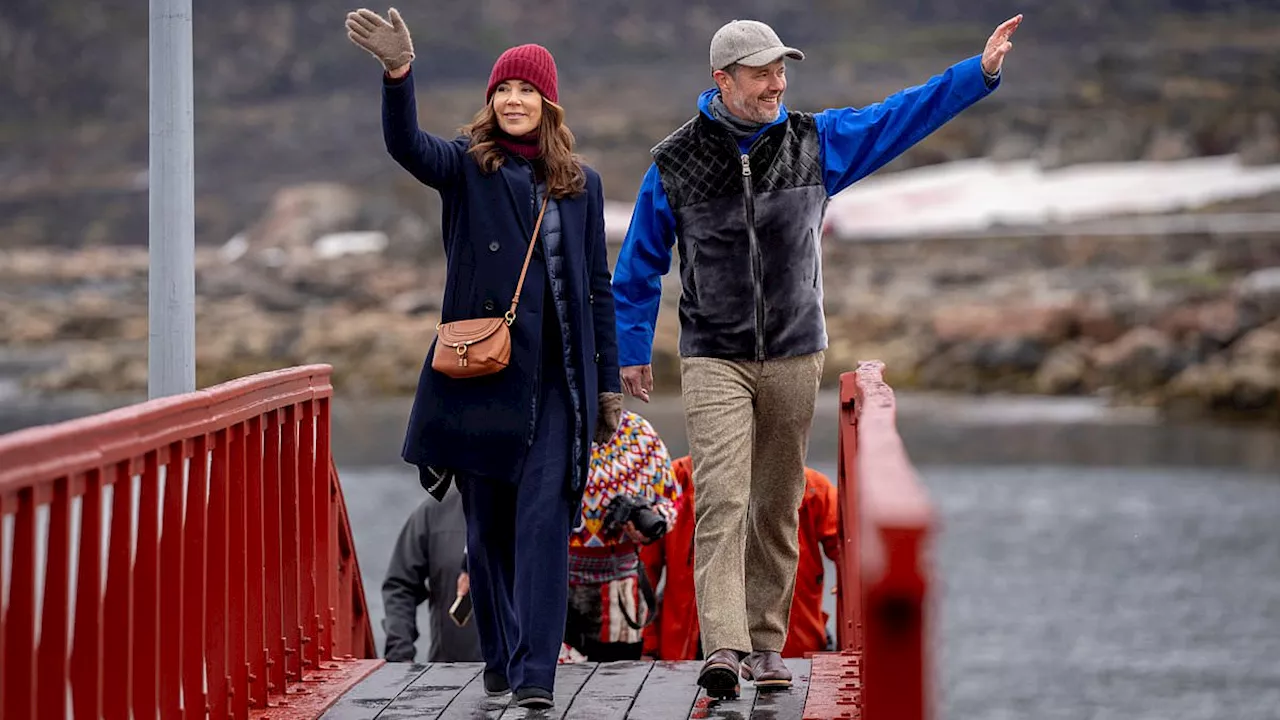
610	416
387	41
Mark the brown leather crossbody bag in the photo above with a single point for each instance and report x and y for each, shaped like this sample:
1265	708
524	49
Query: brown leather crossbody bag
481	346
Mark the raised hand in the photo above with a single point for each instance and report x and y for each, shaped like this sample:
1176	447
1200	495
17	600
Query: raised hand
999	45
387	41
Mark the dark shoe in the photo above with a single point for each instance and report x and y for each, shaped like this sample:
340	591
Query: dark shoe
719	675
767	670
495	684
534	698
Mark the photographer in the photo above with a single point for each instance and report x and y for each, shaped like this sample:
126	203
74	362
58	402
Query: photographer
427	565
630	501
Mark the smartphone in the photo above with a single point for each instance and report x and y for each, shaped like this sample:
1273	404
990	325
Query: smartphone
461	610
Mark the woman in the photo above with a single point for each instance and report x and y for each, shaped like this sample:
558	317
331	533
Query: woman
517	441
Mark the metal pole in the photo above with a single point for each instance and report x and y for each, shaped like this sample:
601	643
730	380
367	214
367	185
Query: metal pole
171	347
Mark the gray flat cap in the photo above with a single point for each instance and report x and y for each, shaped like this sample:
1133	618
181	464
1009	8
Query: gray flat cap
750	43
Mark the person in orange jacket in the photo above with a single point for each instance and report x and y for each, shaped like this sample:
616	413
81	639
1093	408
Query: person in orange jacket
674	634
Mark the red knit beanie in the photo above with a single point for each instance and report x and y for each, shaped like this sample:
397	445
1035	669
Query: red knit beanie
530	63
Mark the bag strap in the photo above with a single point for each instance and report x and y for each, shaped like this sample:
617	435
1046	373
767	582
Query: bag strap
515	300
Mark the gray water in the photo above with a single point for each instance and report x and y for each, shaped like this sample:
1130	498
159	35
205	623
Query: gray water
1089	564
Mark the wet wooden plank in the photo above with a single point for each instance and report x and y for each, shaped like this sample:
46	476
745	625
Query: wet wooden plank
609	692
569	681
739	709
785	704
668	691
432	691
373	694
473	704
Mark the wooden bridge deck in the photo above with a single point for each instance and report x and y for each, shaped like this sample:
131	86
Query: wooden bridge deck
589	691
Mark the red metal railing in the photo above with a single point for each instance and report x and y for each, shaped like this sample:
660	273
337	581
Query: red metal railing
231	582
883	578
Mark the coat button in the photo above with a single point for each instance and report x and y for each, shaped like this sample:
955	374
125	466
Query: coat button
591	298
493	246
488	306
597	358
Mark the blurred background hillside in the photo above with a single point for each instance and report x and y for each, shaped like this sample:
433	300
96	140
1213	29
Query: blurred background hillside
282	97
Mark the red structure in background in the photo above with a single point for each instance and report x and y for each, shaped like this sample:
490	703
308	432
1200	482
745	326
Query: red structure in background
238	589
883	576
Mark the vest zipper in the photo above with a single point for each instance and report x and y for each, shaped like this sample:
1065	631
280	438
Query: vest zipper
757	264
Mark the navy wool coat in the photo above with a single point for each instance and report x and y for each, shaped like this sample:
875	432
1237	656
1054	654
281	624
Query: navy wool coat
483	425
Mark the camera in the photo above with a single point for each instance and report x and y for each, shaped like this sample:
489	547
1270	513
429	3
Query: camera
636	510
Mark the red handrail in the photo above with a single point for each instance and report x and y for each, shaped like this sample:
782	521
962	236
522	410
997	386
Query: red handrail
883	577
237	591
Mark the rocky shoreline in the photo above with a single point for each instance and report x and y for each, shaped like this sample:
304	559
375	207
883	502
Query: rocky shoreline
1188	324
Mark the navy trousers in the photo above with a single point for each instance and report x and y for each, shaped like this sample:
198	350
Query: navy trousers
518	549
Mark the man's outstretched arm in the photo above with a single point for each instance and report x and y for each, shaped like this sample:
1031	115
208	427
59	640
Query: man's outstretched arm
858	141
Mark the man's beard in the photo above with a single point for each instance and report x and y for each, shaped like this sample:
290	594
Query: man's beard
754	111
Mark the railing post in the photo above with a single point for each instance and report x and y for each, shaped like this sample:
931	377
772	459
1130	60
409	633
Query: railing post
52	668
256	646
19	699
848	574
117	605
896	522
195	544
86	650
171	581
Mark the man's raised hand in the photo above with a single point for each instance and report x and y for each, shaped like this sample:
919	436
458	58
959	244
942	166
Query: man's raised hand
999	45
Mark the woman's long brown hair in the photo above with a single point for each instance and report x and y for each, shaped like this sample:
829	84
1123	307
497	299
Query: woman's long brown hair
564	173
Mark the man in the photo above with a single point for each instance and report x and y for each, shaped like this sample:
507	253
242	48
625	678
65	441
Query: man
674	635
428	565
743	187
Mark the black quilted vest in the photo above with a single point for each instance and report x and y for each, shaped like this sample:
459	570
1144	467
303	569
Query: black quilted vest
748	229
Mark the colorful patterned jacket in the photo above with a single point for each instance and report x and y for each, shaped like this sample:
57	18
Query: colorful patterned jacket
634	462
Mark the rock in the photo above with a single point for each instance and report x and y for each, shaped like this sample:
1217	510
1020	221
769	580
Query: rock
415	302
1139	362
1004	364
1086	138
1013	145
1262	145
1168	144
1260	348
1244	384
1204	327
1065	370
994	322
1261	290
301	214
98	368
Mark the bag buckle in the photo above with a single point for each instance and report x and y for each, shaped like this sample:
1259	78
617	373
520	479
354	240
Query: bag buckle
461	349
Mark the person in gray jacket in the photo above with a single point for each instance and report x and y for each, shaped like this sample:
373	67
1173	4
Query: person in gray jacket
426	565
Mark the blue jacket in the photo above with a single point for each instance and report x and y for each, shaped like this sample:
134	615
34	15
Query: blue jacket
855	142
481	425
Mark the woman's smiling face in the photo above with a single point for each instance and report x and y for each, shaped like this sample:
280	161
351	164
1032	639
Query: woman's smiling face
518	106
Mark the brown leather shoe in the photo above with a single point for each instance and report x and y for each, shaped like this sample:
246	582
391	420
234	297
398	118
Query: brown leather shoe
767	670
719	675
